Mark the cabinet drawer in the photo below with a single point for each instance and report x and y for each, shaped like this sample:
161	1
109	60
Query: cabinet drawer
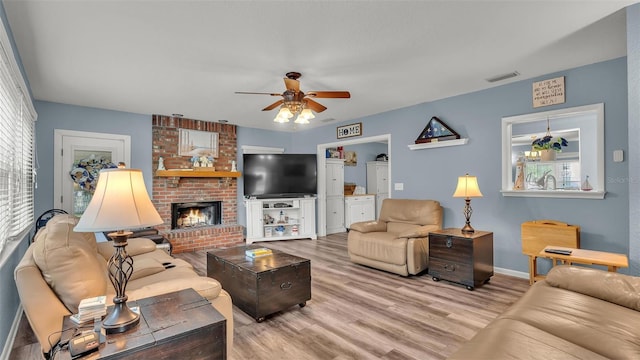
451	248
451	270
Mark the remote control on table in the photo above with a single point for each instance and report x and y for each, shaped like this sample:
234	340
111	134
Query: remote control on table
558	251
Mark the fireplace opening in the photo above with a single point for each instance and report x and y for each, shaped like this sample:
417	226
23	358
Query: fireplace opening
196	214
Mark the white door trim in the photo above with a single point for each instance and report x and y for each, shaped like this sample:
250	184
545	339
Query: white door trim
58	142
322	187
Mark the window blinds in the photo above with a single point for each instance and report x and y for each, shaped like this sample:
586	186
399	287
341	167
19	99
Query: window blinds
17	119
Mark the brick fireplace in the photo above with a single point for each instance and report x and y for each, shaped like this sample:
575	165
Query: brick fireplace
183	189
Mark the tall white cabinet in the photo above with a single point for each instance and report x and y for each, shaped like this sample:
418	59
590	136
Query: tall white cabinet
281	219
335	195
378	182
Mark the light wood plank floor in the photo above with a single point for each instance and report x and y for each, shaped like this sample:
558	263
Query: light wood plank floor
361	313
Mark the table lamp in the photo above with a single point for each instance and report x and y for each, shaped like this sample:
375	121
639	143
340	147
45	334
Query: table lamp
120	202
467	188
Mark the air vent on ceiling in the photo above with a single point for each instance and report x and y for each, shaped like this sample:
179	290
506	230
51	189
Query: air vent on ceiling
503	76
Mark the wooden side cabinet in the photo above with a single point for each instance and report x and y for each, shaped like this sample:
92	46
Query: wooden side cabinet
465	259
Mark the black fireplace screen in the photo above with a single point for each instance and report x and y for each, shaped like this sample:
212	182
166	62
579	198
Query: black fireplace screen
196	214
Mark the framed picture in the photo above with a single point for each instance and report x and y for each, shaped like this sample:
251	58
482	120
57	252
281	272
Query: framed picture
197	143
350	158
350	130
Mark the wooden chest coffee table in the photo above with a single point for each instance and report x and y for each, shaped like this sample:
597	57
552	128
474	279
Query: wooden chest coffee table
264	285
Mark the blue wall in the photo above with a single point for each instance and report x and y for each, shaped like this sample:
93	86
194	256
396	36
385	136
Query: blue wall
69	117
633	63
432	173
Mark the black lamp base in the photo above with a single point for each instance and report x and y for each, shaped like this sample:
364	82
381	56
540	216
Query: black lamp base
120	319
467	229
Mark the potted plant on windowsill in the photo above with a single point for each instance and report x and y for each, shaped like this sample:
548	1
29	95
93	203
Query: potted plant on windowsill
549	146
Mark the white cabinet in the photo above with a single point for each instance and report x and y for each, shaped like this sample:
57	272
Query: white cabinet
378	182
281	219
359	208
335	195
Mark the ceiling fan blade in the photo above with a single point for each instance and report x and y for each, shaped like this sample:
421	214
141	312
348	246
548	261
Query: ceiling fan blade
257	93
315	106
329	94
274	105
292	84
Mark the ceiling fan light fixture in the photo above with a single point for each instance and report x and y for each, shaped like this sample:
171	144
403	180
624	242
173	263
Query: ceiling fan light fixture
285	113
307	114
281	120
301	120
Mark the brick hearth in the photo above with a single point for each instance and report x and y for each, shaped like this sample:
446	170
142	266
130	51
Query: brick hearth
167	190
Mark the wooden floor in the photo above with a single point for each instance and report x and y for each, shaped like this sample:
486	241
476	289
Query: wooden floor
360	313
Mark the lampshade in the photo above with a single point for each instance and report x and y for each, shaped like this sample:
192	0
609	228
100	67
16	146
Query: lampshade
307	114
301	120
467	187
120	202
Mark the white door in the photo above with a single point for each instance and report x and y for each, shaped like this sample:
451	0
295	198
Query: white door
79	157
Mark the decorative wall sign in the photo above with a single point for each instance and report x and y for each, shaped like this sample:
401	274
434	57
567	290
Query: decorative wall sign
349	130
548	92
436	130
198	143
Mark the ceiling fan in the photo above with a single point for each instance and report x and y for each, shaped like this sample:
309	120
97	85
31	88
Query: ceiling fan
294	101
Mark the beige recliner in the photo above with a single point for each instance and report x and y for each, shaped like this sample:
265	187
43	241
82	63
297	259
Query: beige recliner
398	241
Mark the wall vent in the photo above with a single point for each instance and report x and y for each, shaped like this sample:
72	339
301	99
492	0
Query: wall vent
503	76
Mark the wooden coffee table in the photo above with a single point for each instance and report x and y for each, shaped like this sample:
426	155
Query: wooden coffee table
612	261
264	285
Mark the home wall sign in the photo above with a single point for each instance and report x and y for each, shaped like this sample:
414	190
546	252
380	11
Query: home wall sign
349	130
548	92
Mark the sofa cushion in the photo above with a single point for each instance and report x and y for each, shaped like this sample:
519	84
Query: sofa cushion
69	263
617	288
135	246
145	267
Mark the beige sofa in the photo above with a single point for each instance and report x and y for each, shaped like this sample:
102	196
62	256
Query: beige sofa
575	313
398	241
62	267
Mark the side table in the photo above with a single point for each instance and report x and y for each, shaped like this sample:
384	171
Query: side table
612	261
463	258
177	325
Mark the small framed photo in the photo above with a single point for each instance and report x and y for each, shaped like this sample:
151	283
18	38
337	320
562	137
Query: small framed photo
350	130
197	143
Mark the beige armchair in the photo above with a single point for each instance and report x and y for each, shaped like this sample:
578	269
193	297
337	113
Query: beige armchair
398	241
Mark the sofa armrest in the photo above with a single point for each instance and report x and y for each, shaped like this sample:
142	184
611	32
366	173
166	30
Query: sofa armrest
43	308
420	232
368	226
135	246
620	289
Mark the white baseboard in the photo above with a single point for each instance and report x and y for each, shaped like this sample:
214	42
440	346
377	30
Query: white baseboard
518	274
8	346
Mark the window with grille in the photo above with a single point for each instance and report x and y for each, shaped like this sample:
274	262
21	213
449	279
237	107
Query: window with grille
17	119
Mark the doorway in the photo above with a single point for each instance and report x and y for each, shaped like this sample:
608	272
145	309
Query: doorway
322	187
82	156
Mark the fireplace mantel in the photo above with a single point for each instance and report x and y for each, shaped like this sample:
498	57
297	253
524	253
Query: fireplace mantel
197	174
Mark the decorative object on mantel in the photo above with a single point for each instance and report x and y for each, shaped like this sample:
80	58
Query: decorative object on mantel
548	146
436	130
467	188
161	163
548	92
233	166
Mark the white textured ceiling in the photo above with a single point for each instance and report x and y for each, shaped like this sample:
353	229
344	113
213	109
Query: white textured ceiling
189	57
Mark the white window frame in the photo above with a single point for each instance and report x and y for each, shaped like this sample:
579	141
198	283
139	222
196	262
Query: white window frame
17	126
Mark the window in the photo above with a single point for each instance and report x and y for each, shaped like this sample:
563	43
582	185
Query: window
17	118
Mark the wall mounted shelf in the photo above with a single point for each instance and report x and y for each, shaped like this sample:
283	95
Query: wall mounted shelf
197	174
437	144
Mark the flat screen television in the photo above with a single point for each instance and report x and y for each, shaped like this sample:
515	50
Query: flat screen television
279	175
